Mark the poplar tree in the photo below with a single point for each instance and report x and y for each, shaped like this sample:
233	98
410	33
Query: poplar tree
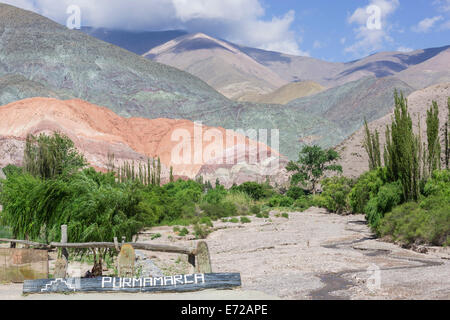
447	137
372	147
434	147
50	156
402	148
158	172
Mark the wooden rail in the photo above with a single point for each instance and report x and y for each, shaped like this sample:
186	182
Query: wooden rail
27	243
198	257
135	245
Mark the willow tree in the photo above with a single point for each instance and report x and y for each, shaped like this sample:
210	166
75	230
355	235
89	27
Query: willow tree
47	157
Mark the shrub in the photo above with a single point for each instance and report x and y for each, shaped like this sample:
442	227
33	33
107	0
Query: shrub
183	232
439	184
11	170
5	232
241	201
318	201
280	201
206	221
156	236
201	231
335	194
245	220
365	188
220	210
303	203
427	223
255	190
234	220
295	192
285	215
255	209
215	196
387	198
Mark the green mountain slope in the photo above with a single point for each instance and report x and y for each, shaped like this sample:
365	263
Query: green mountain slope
15	87
347	105
48	53
39	57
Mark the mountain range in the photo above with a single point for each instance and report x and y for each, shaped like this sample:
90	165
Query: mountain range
306	99
202	55
219	63
238	71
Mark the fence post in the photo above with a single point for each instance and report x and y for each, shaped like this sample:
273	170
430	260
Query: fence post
62	262
64	238
203	263
116	244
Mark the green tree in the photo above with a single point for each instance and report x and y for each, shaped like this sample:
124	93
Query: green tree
50	156
311	166
402	150
447	137
335	194
171	178
434	147
372	147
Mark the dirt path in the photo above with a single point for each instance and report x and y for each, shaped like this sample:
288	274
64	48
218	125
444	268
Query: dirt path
315	255
311	255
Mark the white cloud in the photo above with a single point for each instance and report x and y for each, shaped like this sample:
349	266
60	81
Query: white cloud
426	24
370	39
241	21
444	5
405	49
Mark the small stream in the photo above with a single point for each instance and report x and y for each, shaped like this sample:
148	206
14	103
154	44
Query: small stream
337	282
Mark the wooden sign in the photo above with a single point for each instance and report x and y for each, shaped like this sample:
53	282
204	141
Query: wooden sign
178	283
17	265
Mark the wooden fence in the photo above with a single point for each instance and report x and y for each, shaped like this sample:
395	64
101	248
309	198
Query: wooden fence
198	257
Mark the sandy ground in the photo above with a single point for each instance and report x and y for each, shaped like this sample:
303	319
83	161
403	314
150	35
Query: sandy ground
311	255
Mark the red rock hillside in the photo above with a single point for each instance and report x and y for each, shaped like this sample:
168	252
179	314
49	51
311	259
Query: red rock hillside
97	131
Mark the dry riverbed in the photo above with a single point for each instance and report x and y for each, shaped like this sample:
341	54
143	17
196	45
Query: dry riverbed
311	255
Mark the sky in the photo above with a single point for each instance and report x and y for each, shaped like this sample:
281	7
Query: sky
332	30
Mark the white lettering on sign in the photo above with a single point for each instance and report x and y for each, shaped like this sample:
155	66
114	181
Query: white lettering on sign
118	283
186	280
199	276
136	280
149	281
178	279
